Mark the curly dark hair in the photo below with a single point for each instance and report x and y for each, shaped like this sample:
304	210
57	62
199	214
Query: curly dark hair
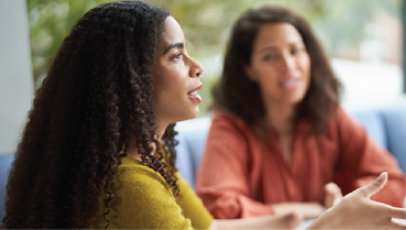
236	93
95	101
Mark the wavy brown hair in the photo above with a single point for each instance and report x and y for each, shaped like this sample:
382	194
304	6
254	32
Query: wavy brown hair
96	99
236	93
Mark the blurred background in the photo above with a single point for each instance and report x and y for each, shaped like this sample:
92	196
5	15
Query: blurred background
363	38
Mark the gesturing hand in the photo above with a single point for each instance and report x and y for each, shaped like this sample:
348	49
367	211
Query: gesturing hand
356	210
333	194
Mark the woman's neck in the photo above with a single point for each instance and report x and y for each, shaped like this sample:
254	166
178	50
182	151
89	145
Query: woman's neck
133	152
280	117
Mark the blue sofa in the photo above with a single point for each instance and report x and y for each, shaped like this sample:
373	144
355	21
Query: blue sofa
385	124
5	165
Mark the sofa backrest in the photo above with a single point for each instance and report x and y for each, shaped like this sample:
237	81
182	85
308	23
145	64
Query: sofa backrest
386	125
394	119
192	138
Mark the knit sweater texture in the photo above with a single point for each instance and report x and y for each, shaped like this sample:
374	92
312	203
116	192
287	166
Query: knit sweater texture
144	200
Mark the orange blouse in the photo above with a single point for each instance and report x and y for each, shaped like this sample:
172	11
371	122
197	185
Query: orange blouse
241	176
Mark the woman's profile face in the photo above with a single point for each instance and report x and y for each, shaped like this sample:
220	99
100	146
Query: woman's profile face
176	77
280	64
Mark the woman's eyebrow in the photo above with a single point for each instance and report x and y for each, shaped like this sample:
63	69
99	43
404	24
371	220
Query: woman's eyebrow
174	45
266	49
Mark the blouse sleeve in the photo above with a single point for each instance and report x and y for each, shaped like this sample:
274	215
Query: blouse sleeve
362	160
222	178
145	201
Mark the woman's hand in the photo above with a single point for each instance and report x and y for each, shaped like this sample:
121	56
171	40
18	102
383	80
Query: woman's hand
333	194
308	210
356	210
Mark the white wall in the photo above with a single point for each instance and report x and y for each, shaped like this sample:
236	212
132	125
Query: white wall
16	86
369	82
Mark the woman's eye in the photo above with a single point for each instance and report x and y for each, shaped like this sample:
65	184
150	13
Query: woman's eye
297	50
270	57
177	56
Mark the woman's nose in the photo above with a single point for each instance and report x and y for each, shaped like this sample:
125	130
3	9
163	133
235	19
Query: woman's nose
288	62
196	69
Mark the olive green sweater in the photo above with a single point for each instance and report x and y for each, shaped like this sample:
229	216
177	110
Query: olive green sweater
143	200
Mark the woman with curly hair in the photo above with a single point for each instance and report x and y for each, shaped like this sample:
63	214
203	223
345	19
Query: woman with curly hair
279	135
98	149
94	110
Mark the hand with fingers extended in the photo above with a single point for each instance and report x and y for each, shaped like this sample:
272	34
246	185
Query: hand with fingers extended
333	194
310	210
356	210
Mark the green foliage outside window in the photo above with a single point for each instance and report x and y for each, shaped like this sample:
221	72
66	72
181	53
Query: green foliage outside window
207	24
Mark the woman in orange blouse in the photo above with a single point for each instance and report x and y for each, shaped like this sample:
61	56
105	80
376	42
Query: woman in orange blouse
279	141
90	156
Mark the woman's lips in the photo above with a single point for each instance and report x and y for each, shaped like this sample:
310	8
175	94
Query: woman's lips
291	83
194	96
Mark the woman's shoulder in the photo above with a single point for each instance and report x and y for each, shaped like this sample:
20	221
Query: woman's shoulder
224	114
345	124
140	196
341	116
223	117
135	175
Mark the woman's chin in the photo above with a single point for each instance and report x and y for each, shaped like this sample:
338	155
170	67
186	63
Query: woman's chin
190	115
194	113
